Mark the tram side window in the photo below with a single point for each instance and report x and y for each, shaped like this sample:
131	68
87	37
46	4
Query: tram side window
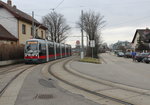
70	50
63	50
51	49
42	48
58	49
67	50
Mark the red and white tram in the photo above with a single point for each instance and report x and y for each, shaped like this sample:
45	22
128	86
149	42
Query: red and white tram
39	51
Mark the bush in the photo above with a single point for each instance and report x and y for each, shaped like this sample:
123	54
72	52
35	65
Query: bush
11	52
90	60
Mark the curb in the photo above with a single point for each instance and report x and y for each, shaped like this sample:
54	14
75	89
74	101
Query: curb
9	62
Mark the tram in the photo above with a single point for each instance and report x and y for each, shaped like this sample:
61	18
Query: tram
40	51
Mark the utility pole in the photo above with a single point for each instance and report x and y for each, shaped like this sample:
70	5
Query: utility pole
82	46
33	30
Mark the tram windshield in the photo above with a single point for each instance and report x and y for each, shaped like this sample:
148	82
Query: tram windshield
32	46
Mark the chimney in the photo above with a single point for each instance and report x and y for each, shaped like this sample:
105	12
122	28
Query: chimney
9	2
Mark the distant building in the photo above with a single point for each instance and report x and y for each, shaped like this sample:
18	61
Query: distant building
143	35
122	45
16	26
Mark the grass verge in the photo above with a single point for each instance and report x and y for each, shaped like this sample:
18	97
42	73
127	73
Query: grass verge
90	60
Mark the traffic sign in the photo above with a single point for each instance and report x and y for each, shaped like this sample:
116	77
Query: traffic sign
77	42
92	43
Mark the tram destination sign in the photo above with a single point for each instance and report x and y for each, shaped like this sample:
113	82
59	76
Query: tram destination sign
32	42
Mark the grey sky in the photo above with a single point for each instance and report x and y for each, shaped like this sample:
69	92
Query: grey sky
123	16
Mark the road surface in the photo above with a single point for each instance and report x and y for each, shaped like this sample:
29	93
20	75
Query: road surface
118	70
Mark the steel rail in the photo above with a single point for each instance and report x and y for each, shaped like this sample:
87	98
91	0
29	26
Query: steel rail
10	67
11	70
96	81
14	77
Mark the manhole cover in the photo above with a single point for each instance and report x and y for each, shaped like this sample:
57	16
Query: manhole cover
44	96
46	83
49	79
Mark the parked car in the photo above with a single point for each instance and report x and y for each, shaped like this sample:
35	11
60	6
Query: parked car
128	55
120	54
141	56
147	59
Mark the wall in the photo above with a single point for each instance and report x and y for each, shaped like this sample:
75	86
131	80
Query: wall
135	41
8	21
24	37
39	33
27	36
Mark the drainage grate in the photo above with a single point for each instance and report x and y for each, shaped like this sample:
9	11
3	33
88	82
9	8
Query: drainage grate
44	96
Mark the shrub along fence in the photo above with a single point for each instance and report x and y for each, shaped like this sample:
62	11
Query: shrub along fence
11	52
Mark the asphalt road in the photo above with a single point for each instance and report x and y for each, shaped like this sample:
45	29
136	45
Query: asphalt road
119	70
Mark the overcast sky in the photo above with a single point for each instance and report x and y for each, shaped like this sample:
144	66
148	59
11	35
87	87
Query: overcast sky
122	17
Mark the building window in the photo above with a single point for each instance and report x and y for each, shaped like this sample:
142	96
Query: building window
36	32
12	42
23	29
42	34
31	31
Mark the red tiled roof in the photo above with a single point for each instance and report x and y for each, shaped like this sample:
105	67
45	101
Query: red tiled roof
19	14
5	35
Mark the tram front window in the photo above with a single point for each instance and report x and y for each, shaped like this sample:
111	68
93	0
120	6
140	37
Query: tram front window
31	46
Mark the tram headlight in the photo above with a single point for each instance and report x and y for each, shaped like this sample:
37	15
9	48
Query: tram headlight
35	55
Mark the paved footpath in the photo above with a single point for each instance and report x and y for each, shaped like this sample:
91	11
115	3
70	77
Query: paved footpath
38	90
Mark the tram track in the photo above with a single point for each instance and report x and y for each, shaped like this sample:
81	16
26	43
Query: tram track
10	68
108	83
14	77
85	89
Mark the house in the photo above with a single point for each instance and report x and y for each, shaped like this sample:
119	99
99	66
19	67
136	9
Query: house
7	37
16	26
122	45
144	36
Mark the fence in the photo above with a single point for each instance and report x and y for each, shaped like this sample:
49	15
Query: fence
11	52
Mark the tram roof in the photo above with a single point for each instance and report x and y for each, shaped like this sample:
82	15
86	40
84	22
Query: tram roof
43	41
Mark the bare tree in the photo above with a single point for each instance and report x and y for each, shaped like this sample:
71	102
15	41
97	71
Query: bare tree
57	27
92	25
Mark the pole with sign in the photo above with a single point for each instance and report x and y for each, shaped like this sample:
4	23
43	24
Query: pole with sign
92	45
82	46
